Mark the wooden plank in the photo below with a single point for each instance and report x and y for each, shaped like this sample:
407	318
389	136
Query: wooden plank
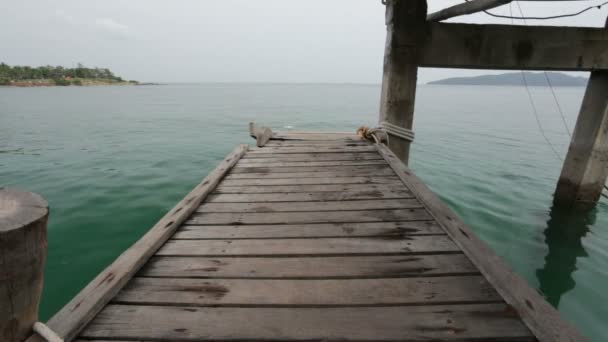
327	188
285	143
414	244
310	217
311	169
313	180
451	45
406	323
308	157
313	174
86	304
299	136
271	207
334	267
544	321
304	165
299	292
308	230
465	8
308	196
312	149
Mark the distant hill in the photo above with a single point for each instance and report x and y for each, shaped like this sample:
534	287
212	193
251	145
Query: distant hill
515	79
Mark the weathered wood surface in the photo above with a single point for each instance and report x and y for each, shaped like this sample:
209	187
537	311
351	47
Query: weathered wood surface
403	323
23	218
309	157
247	168
313	180
356	258
311	217
544	320
82	308
309	196
317	292
311	188
405	25
312	149
311	172
450	45
376	229
314	267
310	136
465	8
294	143
303	164
415	244
265	207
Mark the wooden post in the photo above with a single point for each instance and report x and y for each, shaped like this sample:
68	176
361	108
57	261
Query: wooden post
23	217
405	24
586	166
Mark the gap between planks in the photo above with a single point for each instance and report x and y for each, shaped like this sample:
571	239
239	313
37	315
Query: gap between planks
452	290
315	230
320	206
309	267
379	245
405	323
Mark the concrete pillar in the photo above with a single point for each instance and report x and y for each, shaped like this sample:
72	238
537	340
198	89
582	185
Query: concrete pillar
405	24
586	166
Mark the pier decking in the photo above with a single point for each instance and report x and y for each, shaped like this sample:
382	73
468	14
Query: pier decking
322	238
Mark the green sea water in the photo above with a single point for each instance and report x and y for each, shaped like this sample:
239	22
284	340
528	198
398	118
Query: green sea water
112	160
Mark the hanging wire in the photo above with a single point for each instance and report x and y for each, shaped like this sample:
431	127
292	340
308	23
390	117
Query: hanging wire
531	99
559	108
544	18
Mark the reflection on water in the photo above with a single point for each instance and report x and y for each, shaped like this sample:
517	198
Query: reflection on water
563	235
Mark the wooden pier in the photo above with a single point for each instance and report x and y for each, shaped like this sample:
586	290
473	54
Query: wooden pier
313	237
325	236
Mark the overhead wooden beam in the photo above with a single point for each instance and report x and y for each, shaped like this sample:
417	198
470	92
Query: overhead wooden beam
465	8
514	47
405	29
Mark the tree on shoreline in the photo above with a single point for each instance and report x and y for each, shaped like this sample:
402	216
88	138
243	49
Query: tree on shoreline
59	74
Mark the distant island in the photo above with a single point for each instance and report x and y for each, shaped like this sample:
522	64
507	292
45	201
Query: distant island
515	79
25	76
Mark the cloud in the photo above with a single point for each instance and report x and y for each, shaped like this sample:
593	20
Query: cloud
64	16
111	26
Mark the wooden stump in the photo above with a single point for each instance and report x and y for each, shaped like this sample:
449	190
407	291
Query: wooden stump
23	218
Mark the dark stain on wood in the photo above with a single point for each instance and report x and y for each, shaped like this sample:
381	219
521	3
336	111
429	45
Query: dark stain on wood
214	290
449	330
107	279
523	50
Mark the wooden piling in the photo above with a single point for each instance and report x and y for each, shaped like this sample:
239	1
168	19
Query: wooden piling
405	24
23	218
586	166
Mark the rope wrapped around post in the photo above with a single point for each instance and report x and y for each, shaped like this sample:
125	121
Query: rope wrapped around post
381	134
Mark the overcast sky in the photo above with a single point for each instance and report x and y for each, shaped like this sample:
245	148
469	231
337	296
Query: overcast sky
226	40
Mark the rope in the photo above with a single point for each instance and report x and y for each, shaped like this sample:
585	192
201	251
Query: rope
397	131
378	135
46	333
381	134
